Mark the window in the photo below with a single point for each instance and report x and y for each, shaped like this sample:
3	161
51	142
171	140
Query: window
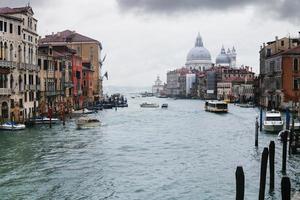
10	28
282	43
5	26
24	36
296	64
45	65
269	52
25	97
21	103
1	25
19	30
296	84
39	62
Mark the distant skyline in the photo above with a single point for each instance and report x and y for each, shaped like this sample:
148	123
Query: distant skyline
146	38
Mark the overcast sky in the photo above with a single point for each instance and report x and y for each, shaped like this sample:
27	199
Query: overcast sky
146	38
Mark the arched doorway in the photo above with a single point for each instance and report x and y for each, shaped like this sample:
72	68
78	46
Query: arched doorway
4	110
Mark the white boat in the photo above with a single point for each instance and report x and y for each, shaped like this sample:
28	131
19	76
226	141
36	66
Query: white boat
12	126
216	106
84	111
44	120
149	105
296	124
273	121
86	123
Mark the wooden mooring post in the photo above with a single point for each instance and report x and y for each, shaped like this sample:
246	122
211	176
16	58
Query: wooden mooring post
271	163
261	119
256	132
284	151
285	188
240	183
263	173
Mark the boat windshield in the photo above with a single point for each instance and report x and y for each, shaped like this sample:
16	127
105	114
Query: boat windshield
221	106
273	118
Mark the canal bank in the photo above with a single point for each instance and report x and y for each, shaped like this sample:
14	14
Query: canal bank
181	152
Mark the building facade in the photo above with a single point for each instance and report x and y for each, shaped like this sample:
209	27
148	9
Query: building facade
18	63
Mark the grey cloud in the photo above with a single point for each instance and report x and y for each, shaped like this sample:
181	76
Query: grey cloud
285	9
21	3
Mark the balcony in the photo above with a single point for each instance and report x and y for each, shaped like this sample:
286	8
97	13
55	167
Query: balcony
69	84
32	87
21	65
31	67
8	64
5	91
51	93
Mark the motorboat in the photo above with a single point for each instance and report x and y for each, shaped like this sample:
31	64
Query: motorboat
296	125
165	105
87	122
216	106
12	126
273	121
84	111
149	105
43	120
246	105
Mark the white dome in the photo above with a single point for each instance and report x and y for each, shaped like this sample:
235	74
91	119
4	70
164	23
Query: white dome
223	58
198	52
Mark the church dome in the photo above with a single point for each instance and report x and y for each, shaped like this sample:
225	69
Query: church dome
223	58
198	52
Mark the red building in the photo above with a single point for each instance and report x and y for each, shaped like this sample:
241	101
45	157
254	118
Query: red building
77	81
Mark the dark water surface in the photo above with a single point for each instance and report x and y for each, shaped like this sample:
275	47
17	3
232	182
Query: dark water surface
181	153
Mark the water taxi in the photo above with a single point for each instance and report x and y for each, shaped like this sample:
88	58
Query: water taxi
216	106
12	126
149	105
43	120
86	123
273	121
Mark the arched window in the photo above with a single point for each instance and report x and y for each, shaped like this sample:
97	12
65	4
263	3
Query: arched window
4	110
19	54
295	64
11	52
20	83
5	51
1	50
11	82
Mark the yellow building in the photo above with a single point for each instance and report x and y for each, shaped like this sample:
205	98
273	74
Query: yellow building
88	49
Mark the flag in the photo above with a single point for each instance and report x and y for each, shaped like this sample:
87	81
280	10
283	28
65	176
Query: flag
106	75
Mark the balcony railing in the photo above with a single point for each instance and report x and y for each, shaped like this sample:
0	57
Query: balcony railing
69	84
31	67
51	93
5	91
21	65
8	64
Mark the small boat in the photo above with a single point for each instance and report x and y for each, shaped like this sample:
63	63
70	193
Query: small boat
12	126
149	105
43	120
165	105
227	101
84	111
216	106
107	106
273	121
86	123
246	105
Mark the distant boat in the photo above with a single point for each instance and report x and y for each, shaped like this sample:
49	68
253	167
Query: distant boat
165	105
273	121
149	105
216	106
12	126
246	105
86	123
43	120
84	111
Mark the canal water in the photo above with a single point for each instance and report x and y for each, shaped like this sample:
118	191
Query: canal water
181	153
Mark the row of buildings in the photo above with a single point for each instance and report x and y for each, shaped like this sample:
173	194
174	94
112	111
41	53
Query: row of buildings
201	78
37	74
277	85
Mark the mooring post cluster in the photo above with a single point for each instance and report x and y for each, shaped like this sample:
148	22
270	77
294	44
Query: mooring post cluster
268	154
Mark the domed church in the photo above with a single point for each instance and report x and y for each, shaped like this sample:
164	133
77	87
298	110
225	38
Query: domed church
226	59
198	57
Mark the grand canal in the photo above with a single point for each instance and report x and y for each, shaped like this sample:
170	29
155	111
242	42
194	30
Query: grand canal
181	153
